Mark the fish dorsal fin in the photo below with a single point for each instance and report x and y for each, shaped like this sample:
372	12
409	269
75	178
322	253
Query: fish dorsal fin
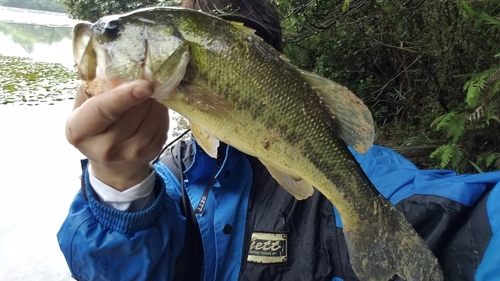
353	119
207	142
299	188
83	51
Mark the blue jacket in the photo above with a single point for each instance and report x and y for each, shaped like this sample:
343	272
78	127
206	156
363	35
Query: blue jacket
457	215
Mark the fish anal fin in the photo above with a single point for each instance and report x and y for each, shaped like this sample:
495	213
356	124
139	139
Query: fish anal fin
204	100
207	142
299	188
351	116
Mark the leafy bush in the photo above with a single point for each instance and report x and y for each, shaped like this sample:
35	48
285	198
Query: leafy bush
92	10
473	137
401	55
46	5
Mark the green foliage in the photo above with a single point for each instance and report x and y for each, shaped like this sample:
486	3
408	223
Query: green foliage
92	10
24	82
478	169
406	60
489	160
449	155
476	85
473	133
46	5
482	96
453	124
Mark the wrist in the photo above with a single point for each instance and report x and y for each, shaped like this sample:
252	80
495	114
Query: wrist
119	177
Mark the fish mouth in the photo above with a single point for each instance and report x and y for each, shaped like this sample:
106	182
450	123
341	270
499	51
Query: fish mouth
114	53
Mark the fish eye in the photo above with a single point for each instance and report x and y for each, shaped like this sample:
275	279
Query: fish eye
112	29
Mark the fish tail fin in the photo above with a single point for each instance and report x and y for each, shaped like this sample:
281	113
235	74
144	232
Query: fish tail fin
390	248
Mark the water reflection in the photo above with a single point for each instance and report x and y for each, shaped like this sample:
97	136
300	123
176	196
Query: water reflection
41	36
27	35
17	15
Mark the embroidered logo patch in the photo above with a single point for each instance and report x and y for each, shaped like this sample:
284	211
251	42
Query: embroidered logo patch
268	248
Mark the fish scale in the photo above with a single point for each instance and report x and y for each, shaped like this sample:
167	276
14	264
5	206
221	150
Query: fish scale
235	88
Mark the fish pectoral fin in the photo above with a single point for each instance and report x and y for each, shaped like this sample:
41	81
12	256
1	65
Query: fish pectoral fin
204	100
247	30
241	26
207	142
352	118
83	51
299	188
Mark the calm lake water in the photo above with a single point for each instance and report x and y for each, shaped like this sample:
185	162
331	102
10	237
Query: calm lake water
39	35
38	169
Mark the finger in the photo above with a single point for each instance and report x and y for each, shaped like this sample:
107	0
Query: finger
151	134
161	135
112	104
80	98
130	121
156	125
148	137
96	114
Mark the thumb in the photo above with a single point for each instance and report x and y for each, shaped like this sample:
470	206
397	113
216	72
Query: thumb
112	104
99	112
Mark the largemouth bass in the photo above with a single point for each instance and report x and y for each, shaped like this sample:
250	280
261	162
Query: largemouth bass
235	88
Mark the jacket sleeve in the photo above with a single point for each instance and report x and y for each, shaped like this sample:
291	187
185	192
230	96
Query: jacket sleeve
489	268
102	243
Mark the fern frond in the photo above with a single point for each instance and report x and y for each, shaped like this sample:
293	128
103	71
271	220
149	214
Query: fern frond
473	96
492	114
475	85
456	127
456	161
443	120
443	153
490	159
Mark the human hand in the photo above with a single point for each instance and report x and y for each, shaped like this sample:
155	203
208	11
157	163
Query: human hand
120	131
